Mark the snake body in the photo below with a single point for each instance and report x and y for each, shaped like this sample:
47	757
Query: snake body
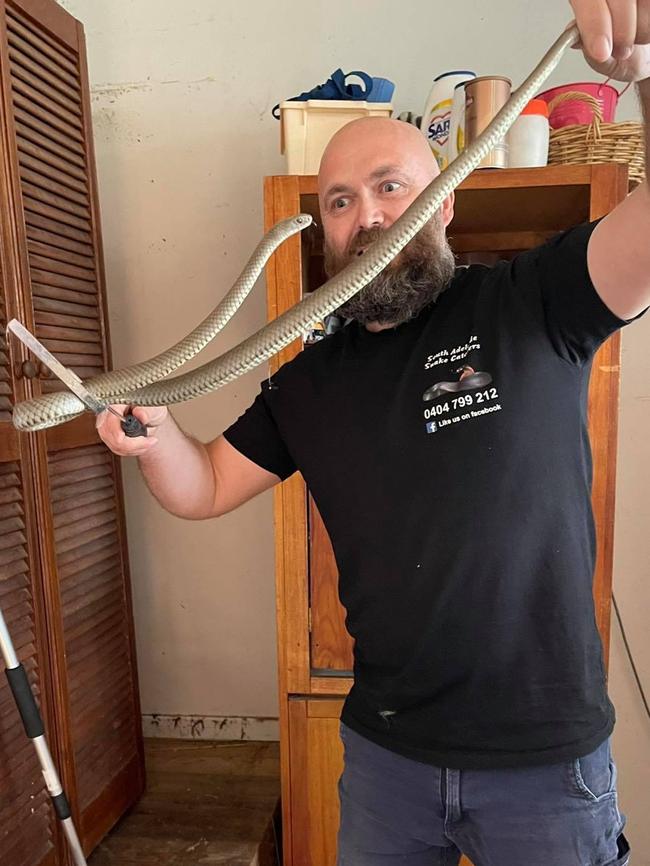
141	385
106	386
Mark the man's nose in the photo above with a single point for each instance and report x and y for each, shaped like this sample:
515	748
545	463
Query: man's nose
370	214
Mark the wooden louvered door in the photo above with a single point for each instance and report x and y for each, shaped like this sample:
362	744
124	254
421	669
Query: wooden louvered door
77	481
27	826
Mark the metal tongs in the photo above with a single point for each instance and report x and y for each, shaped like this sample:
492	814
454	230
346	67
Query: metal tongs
131	425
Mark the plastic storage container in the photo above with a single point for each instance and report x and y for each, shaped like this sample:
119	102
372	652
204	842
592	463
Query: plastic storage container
306	127
528	136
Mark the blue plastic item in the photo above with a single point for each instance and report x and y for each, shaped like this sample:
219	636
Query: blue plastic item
382	90
371	90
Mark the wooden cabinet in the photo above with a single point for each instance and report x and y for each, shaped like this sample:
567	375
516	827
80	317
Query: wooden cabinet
498	213
64	586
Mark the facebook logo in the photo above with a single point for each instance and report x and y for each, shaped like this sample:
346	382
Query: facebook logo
431	427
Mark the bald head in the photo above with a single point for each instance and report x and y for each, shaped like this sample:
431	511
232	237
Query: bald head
359	143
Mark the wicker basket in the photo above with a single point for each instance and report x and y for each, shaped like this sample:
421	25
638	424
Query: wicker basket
598	141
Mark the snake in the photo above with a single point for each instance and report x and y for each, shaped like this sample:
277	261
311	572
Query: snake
145	384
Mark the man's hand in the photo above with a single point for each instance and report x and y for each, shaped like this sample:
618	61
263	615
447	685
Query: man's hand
110	430
615	37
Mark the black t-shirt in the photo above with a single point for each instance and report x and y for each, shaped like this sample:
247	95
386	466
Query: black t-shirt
450	461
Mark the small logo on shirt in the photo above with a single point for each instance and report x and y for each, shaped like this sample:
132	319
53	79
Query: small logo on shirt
469	381
431	427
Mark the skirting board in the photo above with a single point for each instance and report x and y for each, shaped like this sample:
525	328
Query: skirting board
210	727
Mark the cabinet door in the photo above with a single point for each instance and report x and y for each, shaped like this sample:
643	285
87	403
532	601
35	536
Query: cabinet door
81	530
27	832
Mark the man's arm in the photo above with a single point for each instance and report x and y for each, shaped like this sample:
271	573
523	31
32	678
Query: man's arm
189	479
615	39
618	255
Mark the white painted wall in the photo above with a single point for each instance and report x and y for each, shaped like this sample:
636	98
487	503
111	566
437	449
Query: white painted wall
182	94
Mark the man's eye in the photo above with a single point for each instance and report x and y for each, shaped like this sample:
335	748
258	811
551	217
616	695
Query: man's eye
339	203
391	186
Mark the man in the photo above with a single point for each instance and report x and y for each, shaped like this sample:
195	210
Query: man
479	720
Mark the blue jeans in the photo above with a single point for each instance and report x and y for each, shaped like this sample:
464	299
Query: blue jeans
396	810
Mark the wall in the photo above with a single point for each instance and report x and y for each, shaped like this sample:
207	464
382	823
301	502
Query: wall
182	95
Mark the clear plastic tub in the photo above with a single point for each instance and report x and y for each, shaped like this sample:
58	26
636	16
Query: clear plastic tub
306	127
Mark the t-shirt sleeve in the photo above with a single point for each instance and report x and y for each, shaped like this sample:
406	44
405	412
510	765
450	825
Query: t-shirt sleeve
555	278
255	434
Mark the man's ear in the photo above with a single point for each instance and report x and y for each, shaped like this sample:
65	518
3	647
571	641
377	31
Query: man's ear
447	209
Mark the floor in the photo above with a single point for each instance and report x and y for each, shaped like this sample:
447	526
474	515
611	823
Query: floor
206	803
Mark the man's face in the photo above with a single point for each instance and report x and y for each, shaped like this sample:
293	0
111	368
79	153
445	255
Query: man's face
374	198
370	174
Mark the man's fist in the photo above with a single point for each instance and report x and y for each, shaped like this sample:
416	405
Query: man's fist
615	36
110	430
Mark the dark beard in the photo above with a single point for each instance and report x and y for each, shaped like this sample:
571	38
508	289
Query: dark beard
415	278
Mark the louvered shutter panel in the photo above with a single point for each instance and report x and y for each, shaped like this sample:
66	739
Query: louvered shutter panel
105	724
50	115
25	814
84	541
26	819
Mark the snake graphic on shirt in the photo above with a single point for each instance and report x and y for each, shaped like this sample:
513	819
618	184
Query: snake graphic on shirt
469	379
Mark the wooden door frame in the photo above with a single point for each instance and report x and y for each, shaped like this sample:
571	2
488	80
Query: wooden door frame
609	186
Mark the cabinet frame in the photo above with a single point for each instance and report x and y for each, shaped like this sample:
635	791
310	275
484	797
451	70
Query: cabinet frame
539	203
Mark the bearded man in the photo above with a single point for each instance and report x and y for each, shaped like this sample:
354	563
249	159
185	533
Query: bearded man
479	720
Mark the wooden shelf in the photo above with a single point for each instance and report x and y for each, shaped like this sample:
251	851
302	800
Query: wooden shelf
491	208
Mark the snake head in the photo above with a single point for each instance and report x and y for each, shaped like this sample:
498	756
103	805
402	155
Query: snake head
302	220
